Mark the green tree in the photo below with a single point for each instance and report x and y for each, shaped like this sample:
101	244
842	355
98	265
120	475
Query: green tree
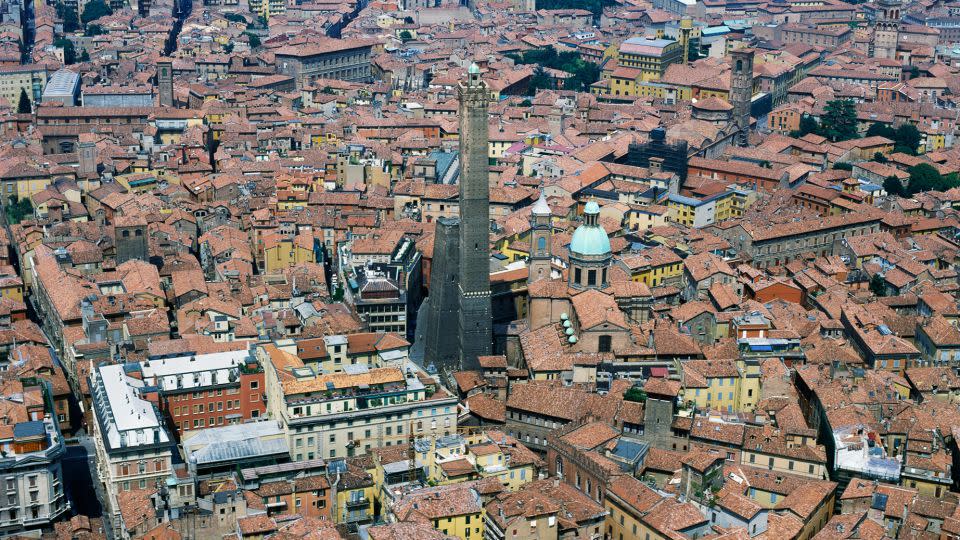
95	30
540	80
93	10
228	48
878	129
84	56
593	6
405	36
23	105
924	177
907	139
808	124
69	51
894	186
583	73
842	166
877	285
839	120
253	39
879	157
68	14
17	211
234	17
635	394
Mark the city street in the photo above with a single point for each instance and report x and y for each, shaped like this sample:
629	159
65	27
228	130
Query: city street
81	482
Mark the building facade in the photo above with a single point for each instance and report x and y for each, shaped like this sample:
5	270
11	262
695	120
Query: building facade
133	447
208	390
32	476
346	413
345	60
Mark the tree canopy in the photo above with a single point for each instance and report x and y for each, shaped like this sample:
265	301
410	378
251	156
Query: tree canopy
635	394
583	73
23	105
93	10
893	186
906	137
926	177
69	51
68	14
808	124
593	6
839	120
253	39
17	211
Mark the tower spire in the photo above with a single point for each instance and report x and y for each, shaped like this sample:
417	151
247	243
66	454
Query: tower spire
541	230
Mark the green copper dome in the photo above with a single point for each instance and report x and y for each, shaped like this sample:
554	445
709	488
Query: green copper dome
590	238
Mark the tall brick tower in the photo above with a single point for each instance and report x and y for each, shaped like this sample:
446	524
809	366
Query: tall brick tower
741	91
442	344
475	311
886	30
165	81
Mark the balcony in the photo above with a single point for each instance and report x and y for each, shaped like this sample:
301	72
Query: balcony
358	503
355	517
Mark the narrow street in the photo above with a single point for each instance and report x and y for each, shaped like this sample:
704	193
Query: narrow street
81	482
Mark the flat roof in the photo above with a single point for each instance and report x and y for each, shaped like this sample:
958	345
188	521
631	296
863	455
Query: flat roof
193	370
62	83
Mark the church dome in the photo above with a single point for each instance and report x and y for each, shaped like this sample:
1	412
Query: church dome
590	238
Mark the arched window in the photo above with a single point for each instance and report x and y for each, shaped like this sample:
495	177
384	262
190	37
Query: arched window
739	65
541	243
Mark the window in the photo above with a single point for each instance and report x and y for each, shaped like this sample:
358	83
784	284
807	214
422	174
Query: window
605	344
591	278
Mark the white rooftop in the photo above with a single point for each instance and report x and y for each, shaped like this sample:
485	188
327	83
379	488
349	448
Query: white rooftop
126	419
235	442
854	453
193	371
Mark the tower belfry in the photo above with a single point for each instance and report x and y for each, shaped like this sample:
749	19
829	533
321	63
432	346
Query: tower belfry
886	30
541	230
475	321
741	92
